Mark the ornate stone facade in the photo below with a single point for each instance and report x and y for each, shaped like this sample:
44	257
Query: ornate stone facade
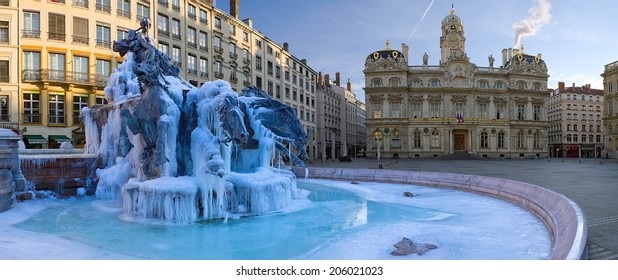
456	107
610	116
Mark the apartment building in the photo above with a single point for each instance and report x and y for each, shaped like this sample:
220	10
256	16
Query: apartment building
575	121
59	57
341	126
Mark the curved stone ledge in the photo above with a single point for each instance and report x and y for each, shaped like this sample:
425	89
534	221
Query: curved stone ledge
562	217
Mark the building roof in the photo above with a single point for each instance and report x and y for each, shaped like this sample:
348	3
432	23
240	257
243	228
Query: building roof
521	57
452	18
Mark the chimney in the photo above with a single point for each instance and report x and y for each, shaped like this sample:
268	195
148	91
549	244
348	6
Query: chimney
405	49
561	86
539	56
327	80
573	86
234	8
504	54
286	47
319	79
303	61
515	52
349	85
248	21
510	54
338	79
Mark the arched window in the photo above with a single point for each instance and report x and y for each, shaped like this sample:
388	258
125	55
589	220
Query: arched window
483	84
435	139
501	137
434	83
417	83
521	85
499	85
521	140
536	139
396	139
377	82
537	86
484	140
417	139
569	138
394	82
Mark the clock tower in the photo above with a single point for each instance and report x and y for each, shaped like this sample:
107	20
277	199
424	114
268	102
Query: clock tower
452	42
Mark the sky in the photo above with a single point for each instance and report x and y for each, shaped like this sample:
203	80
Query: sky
576	38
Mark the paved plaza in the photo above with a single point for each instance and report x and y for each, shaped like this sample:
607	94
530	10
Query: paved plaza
591	183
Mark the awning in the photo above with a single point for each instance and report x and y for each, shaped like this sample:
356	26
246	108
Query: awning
35	139
60	138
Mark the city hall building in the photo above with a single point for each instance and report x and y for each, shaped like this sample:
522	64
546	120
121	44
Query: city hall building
455	108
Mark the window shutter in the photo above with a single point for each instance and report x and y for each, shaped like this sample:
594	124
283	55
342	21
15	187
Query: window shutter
80	27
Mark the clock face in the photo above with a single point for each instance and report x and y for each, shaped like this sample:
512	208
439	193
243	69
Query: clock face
452	40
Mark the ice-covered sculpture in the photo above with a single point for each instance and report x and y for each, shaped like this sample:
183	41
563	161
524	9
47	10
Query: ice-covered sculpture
176	152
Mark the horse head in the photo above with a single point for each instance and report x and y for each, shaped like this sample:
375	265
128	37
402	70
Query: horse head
233	121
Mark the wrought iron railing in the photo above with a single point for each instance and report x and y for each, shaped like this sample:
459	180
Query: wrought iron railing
80	3
103	8
62	76
56	36
123	13
81	40
30	33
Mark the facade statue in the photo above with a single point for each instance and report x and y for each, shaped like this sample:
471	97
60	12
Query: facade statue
425	59
491	61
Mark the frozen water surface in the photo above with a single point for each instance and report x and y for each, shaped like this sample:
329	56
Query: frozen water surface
329	220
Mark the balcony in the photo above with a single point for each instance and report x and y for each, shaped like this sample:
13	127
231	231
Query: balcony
81	40
163	32
233	55
5	40
36	34
61	37
61	76
104	44
192	71
234	79
246	61
218	75
204	74
192	16
80	3
204	48
177	63
123	13
192	44
176	8
204	21
57	1
5	3
219	50
176	36
246	83
103	8
32	118
163	3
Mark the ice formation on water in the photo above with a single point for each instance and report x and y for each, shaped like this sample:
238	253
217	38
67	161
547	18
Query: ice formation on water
176	152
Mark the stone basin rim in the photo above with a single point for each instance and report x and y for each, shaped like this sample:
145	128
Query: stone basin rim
562	217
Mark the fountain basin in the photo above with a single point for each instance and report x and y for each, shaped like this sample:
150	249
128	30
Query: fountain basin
563	218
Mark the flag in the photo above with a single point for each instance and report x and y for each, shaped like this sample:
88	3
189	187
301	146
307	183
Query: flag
460	118
452	9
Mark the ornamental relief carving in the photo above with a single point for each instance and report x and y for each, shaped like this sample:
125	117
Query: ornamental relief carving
520	99
500	100
459	98
416	98
482	99
435	98
376	98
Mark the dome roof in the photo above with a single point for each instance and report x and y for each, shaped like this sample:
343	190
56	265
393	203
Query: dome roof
395	54
521	57
452	18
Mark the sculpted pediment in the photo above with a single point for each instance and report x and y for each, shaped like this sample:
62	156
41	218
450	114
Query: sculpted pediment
385	65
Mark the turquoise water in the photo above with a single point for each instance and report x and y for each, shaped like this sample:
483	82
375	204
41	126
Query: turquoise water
323	225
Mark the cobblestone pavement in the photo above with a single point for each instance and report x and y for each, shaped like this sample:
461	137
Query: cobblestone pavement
591	183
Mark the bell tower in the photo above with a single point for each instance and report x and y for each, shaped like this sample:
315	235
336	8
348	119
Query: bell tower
452	42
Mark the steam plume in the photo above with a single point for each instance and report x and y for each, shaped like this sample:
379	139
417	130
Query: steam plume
539	16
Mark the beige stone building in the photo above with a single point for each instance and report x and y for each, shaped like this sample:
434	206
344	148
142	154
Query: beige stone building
610	116
58	55
575	121
455	107
340	121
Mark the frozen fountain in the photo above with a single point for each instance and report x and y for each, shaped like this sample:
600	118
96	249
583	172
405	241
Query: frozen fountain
180	153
